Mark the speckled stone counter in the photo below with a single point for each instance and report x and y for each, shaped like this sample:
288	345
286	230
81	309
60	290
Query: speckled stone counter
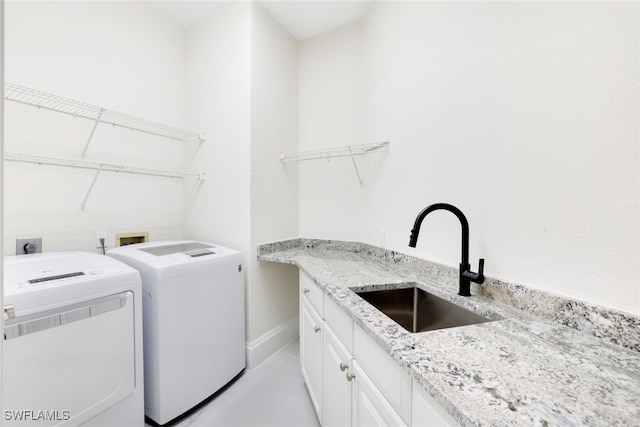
543	360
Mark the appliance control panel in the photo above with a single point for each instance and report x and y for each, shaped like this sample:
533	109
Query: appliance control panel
51	277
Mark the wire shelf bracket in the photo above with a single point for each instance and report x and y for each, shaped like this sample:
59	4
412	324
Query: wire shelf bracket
348	151
93	130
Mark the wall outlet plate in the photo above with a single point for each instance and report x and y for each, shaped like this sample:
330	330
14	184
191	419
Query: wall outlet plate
101	235
29	246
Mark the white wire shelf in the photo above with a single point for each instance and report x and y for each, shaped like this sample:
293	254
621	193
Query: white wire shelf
40	99
100	166
328	153
347	151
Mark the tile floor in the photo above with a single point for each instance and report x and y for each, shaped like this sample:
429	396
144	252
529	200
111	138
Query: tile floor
271	394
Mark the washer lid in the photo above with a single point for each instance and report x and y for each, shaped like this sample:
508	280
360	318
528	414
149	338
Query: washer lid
172	258
193	249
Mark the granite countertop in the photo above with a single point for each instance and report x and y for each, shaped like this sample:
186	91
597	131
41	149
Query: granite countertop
543	360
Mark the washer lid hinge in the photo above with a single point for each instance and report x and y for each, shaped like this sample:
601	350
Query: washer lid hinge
11	312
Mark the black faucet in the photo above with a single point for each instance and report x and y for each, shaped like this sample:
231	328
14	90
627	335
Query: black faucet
466	275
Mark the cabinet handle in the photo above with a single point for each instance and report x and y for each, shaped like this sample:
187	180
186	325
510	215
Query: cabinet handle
305	291
343	367
316	329
351	376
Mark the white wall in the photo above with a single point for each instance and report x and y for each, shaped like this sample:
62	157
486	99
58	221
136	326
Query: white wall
218	100
332	114
524	115
241	85
117	55
273	296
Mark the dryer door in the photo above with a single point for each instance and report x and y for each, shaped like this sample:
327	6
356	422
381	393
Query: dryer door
65	366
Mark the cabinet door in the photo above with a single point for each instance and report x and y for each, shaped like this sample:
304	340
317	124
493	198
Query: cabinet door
336	390
311	353
369	407
427	412
389	378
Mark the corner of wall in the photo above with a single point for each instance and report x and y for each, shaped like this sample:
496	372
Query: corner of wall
266	345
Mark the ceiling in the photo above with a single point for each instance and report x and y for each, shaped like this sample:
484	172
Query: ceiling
301	18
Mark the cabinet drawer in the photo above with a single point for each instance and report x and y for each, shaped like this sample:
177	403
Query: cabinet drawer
339	322
393	381
312	293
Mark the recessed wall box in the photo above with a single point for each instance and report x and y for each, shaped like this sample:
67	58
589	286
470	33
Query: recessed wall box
29	246
131	238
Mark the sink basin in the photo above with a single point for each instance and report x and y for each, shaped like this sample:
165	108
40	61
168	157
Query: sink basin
418	311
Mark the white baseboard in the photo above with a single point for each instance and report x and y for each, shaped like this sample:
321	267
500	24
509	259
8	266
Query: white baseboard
260	349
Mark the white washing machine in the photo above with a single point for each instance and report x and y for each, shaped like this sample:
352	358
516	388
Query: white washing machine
72	341
193	310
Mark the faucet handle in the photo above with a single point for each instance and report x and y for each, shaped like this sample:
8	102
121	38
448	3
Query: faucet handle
479	278
476	277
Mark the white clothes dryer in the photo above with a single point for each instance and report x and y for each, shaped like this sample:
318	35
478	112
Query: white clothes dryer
193	310
72	341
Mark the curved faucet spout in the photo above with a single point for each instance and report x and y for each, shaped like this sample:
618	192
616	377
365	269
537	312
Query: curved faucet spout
466	275
447	207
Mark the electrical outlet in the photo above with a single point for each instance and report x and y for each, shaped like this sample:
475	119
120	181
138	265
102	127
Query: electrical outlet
29	246
101	235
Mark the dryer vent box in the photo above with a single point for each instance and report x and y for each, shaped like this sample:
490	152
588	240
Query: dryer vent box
124	239
29	246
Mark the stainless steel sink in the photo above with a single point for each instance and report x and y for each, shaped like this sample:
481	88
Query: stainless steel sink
418	311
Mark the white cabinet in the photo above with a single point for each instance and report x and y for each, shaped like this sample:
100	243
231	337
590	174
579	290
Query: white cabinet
426	412
370	407
393	382
336	390
351	380
311	352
